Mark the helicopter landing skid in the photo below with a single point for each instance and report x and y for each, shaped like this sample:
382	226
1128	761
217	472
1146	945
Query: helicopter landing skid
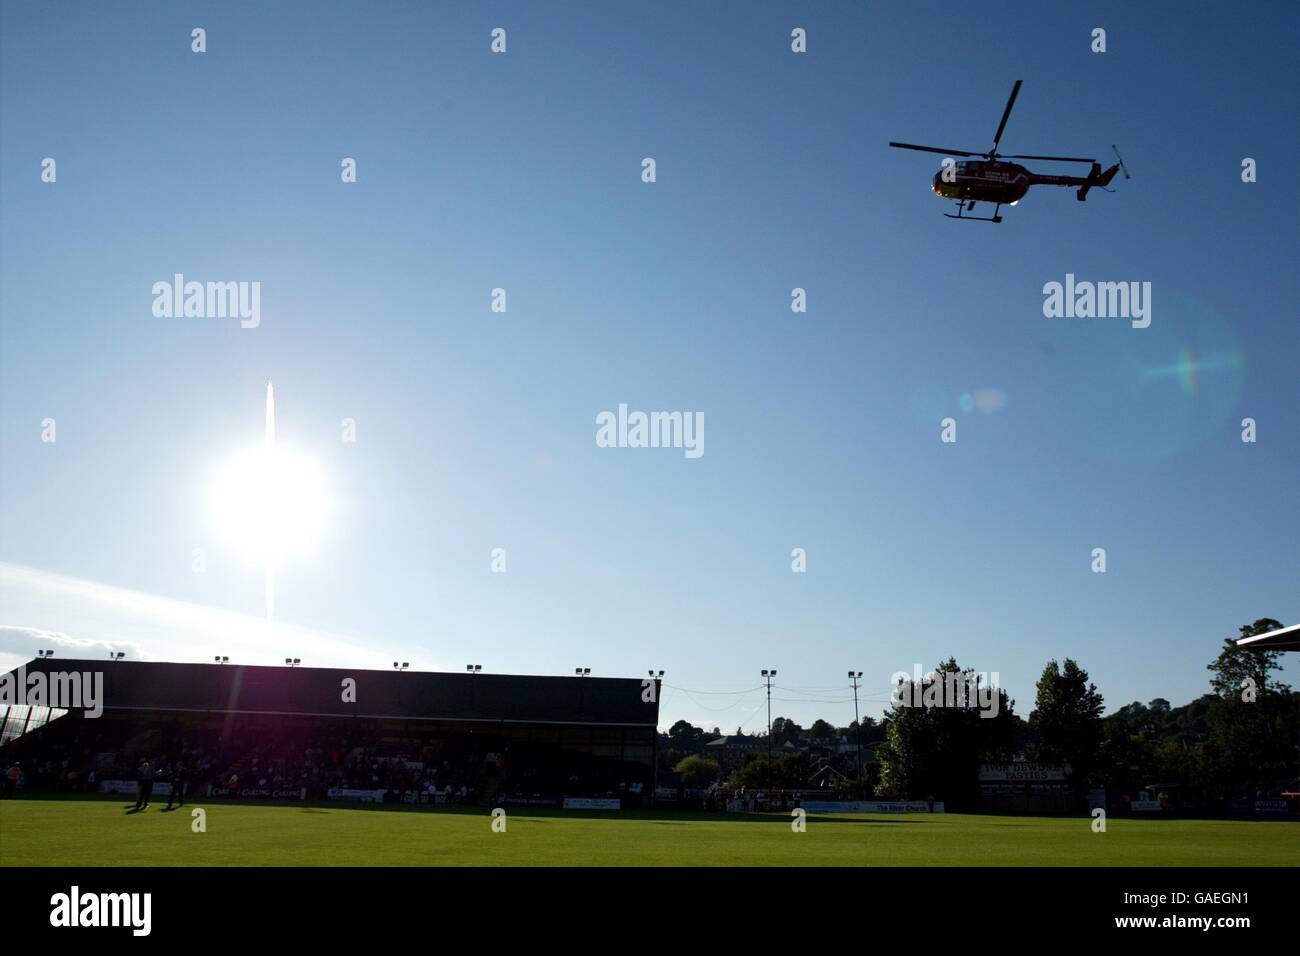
962	204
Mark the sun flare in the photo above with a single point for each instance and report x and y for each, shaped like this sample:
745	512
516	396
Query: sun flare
270	503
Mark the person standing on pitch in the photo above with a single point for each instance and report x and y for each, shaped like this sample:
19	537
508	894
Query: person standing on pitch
178	785
146	785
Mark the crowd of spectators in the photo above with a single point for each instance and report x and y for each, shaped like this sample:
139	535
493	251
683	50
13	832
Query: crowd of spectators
265	758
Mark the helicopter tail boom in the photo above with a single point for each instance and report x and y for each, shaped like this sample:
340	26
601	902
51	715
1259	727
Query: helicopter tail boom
1096	178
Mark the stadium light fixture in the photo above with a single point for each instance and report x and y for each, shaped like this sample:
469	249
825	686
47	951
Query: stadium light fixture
659	675
220	660
45	653
581	671
401	667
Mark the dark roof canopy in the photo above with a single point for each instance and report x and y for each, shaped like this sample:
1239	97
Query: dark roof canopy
1283	639
415	695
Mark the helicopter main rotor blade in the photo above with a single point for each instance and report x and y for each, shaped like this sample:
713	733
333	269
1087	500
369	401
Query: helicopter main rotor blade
1011	101
935	149
1059	159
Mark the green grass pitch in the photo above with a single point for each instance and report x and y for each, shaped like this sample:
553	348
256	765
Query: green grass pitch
97	832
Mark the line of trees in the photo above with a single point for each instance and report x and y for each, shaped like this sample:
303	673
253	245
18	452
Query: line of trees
1240	740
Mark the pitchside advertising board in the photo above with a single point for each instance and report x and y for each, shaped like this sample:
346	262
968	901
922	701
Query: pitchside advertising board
1266	808
871	806
160	788
267	793
515	800
1022	773
361	796
163	789
591	803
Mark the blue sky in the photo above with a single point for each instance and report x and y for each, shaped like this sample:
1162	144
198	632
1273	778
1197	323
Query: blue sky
476	430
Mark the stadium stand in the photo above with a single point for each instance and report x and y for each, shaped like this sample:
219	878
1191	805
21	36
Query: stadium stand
314	733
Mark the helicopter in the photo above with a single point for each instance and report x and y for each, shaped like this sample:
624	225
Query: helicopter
993	179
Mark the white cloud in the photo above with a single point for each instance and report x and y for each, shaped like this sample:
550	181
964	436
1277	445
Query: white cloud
160	628
25	641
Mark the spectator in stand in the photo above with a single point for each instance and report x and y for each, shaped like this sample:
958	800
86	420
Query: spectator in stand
11	779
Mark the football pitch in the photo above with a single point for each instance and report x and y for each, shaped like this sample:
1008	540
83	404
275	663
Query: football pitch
98	832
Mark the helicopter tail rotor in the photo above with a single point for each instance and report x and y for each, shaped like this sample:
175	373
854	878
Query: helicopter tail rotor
1121	162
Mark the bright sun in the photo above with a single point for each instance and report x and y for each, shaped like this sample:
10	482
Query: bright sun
270	503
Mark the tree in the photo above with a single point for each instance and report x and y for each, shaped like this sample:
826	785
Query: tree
784	731
1236	665
1124	760
872	731
686	737
698	772
821	730
935	750
1253	722
1066	721
789	772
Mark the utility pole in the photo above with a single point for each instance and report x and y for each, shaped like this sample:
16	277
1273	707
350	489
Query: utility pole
858	722
767	679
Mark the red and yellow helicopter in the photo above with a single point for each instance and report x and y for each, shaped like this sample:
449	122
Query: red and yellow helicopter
995	180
